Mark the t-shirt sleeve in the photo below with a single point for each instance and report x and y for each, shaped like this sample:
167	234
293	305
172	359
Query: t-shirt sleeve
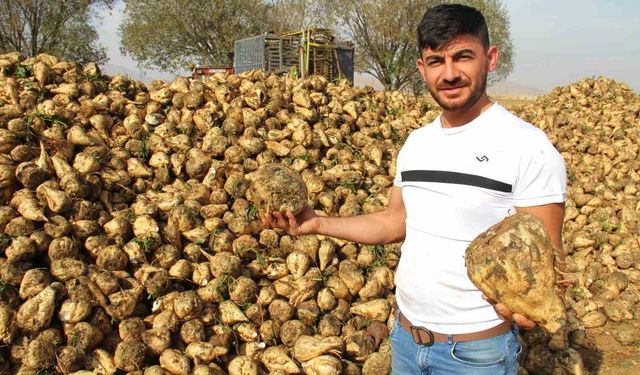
542	176
400	163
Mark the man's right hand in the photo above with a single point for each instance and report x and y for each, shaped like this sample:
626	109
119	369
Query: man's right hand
306	222
376	228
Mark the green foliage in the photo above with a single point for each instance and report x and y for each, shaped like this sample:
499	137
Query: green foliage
145	243
328	164
357	154
305	156
171	34
101	82
374	107
131	216
252	212
384	35
497	18
381	256
42	94
98	158
74	339
292	15
350	185
578	293
84	46
260	258
62	28
144	151
226	280
288	160
153	294
571	175
46	371
5	240
395	112
599	236
22	71
48	119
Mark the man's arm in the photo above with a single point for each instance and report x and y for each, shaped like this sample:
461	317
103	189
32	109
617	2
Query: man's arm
552	216
376	228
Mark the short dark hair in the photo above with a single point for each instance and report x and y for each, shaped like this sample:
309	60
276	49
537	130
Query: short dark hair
444	22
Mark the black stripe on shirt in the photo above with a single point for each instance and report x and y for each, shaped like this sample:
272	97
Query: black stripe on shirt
455	178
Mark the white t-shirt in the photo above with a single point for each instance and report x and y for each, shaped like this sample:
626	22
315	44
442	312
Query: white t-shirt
456	183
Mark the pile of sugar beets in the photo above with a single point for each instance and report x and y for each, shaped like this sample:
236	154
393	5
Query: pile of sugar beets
595	125
128	243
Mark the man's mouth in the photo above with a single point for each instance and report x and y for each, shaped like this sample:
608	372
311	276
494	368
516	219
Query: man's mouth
452	89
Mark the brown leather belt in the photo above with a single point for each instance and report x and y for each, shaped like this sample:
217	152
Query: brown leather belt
423	336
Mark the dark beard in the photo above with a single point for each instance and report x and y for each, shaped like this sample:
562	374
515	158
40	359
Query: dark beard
473	97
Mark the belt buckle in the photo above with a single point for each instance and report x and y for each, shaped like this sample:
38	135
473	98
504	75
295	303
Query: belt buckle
415	332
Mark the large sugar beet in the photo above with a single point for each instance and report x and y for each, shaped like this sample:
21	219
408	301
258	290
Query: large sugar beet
513	263
276	187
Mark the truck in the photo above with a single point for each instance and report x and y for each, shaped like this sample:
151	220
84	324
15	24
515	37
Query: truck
302	53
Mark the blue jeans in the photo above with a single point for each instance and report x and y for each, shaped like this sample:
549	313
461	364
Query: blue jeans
493	356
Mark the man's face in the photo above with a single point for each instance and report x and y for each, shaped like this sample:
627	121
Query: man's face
456	73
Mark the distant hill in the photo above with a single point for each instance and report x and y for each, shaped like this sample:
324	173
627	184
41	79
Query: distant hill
135	73
113	69
366	79
513	89
500	89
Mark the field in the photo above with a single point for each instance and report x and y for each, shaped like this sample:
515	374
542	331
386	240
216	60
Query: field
609	356
510	101
131	235
601	352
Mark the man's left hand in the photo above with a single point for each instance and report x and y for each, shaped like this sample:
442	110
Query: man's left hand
507	315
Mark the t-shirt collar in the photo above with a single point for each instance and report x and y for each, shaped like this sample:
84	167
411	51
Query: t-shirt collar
471	124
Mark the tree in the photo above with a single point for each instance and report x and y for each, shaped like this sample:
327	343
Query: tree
293	15
171	34
62	28
499	34
384	35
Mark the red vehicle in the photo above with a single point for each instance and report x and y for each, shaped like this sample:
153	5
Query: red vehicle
204	71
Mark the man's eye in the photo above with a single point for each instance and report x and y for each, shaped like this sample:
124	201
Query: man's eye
465	57
433	62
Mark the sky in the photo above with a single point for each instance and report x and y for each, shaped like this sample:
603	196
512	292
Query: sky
556	42
561	41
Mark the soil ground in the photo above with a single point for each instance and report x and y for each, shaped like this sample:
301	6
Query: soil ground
609	356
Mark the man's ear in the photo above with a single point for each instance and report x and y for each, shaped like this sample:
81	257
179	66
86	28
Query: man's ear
492	55
420	66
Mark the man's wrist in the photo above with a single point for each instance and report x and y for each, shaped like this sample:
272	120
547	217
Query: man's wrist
317	224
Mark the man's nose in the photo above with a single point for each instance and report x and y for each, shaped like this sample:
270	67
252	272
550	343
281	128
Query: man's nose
451	72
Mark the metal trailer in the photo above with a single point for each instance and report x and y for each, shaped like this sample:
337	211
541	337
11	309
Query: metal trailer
344	60
304	52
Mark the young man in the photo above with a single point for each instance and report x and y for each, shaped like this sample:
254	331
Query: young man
470	168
